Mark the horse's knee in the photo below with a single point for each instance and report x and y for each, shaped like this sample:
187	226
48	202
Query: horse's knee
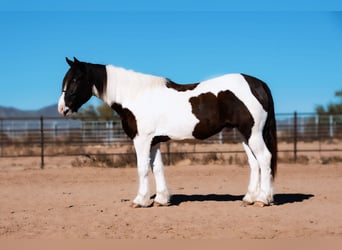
143	172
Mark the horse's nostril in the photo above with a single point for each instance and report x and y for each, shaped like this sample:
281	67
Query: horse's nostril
66	111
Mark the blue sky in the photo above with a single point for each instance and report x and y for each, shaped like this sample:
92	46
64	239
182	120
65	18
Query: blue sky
296	50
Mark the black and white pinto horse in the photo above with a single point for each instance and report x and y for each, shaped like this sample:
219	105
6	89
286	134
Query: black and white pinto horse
154	109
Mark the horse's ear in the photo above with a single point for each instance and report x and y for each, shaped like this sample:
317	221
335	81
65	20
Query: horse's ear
69	62
76	61
79	64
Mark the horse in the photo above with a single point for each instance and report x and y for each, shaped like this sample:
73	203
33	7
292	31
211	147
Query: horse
155	109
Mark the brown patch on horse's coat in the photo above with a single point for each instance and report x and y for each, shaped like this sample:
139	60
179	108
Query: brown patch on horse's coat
129	123
180	87
160	138
259	90
216	112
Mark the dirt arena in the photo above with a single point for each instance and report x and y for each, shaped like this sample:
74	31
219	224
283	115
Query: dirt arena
64	202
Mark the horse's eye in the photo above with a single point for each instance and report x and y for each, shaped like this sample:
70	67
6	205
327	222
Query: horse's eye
74	79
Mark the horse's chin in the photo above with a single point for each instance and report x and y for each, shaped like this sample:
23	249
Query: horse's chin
67	112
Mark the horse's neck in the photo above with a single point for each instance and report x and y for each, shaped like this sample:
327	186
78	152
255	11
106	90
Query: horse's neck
124	86
97	77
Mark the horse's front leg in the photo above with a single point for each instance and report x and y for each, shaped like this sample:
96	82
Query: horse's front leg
142	146
163	196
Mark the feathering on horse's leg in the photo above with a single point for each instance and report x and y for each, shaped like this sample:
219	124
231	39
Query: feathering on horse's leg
163	196
142	146
263	156
254	181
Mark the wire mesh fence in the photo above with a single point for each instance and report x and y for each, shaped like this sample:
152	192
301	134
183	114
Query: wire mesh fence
298	134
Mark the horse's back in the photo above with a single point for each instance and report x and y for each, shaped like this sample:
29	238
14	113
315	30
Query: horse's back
239	86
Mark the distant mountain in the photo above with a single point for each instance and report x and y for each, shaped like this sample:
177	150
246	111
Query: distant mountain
49	111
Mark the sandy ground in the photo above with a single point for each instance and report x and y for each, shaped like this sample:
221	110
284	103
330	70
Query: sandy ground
63	202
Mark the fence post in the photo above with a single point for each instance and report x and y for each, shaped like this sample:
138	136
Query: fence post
168	154
295	136
220	137
41	142
316	126
331	126
1	137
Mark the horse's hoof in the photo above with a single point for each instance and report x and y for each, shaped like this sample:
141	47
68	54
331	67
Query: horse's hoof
157	204
246	203
135	205
260	204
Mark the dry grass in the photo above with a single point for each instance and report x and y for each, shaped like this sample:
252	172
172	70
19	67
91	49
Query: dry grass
123	155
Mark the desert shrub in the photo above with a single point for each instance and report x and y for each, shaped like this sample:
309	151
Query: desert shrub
332	159
288	157
125	160
175	158
302	159
92	161
106	160
240	159
214	158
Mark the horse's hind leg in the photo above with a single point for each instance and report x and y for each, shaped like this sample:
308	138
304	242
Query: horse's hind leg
254	180
263	156
163	196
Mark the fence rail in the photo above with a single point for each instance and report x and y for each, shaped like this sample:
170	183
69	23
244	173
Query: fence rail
42	137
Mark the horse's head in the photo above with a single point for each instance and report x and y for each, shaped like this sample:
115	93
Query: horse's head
76	88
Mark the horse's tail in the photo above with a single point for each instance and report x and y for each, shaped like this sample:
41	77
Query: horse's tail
270	132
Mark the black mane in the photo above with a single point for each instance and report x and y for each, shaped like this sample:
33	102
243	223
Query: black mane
97	76
180	87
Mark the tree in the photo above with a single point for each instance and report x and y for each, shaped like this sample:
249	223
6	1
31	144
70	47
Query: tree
331	108
102	112
338	93
105	112
331	115
88	113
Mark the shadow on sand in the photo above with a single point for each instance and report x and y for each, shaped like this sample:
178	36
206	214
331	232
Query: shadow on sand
279	199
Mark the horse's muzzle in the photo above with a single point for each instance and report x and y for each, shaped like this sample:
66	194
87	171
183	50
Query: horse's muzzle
64	110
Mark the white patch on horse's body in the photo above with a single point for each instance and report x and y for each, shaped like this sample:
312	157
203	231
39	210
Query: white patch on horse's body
158	107
155	109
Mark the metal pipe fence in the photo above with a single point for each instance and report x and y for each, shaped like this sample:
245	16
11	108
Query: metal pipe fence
298	133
